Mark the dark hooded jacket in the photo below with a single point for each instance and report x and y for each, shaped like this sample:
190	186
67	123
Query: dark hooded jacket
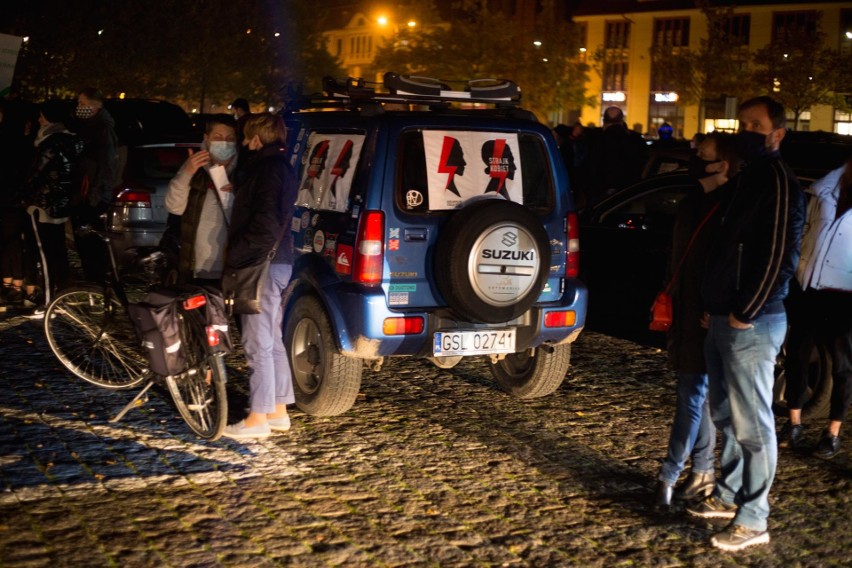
754	250
99	159
263	209
55	176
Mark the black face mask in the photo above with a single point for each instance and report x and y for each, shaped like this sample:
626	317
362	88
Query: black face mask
697	167
751	145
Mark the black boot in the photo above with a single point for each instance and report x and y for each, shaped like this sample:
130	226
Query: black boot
663	496
828	446
792	436
696	487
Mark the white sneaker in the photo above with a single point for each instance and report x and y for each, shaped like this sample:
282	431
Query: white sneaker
279	424
240	431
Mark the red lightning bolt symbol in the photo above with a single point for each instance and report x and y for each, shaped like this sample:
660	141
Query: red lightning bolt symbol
497	170
443	168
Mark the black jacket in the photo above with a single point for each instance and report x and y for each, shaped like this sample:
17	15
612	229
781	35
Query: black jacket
55	178
263	208
755	247
99	159
686	337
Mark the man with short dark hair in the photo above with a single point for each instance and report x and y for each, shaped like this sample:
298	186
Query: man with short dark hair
751	258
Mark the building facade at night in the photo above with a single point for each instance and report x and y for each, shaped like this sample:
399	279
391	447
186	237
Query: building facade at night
618	36
627	30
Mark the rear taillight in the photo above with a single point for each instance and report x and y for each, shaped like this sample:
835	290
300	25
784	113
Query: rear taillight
560	319
195	302
212	335
403	326
572	251
134	198
369	248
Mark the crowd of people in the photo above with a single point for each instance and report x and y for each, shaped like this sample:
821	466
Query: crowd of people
55	168
601	160
54	174
741	241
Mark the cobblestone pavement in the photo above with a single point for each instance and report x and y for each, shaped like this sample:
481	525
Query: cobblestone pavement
430	468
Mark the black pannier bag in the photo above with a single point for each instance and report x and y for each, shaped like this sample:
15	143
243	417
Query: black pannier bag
218	318
156	323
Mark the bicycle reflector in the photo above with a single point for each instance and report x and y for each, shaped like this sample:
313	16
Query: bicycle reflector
195	302
212	335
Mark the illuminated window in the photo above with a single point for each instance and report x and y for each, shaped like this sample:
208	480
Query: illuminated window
617	35
615	65
846	32
787	26
843	121
804	120
671	31
736	29
615	76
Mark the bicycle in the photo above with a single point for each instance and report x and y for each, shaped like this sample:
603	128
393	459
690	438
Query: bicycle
90	331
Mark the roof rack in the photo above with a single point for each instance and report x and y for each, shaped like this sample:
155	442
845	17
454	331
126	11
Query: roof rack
412	89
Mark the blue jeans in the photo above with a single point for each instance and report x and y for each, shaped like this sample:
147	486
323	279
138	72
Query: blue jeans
271	381
693	433
740	365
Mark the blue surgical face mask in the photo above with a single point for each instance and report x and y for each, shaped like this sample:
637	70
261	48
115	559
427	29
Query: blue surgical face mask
221	150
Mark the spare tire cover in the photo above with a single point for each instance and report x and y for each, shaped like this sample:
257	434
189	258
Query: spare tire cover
491	260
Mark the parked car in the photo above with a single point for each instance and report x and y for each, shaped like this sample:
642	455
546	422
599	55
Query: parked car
627	241
154	138
625	249
438	233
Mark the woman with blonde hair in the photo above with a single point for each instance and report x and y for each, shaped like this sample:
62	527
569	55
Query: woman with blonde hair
262	211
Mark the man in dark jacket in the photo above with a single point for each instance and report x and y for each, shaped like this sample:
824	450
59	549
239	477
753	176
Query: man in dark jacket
99	173
616	158
753	254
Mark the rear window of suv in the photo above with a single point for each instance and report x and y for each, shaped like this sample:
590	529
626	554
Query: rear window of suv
439	170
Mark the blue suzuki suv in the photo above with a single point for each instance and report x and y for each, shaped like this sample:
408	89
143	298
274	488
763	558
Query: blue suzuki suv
431	223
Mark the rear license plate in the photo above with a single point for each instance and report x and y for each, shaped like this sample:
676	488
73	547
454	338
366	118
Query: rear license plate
483	342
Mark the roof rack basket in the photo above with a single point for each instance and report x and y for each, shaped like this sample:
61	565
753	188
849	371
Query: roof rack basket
412	89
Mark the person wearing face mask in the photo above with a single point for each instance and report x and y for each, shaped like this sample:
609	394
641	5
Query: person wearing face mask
262	214
48	193
202	194
749	263
692	433
98	164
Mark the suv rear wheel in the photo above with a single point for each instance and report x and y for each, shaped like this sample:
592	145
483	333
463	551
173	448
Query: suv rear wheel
533	373
491	260
326	383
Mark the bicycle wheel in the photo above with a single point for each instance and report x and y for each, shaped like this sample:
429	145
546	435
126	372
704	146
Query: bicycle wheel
200	397
199	392
94	339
